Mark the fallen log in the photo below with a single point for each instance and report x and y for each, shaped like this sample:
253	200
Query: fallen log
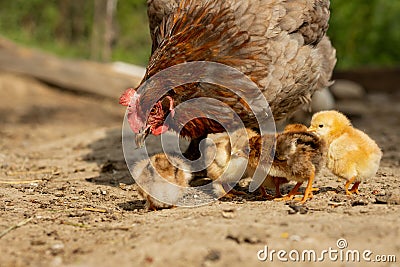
78	75
384	80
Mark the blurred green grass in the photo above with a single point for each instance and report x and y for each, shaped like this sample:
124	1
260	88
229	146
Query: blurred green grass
365	33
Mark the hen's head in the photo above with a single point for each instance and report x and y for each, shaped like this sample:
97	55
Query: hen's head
154	123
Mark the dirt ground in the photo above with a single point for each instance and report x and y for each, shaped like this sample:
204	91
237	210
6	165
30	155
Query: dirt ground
67	198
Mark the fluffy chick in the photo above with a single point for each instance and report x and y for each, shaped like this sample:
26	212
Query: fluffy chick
274	179
230	160
161	184
298	157
352	154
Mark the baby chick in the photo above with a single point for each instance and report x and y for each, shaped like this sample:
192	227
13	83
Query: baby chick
272	181
230	160
352	154
160	182
298	157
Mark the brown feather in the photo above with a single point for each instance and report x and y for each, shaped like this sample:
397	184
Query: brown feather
280	45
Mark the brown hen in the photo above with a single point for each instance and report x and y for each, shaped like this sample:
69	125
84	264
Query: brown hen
280	45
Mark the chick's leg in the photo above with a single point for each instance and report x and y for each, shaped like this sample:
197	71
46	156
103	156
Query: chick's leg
151	206
348	183
230	192
354	188
309	189
291	194
263	194
278	181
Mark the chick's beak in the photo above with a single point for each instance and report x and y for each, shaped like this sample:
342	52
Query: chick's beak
141	137
312	129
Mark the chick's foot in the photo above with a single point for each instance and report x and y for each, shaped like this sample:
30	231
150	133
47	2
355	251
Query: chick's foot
291	194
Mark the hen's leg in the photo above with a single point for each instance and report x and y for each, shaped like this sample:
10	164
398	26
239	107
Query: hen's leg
348	183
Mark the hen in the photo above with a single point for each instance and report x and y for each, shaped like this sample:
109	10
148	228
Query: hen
280	45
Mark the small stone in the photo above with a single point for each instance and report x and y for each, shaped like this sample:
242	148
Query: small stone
229	214
37	242
360	202
379	193
213	255
57	248
295	238
298	209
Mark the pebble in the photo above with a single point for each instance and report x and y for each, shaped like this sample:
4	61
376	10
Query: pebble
229	213
298	209
213	255
296	238
360	202
57	248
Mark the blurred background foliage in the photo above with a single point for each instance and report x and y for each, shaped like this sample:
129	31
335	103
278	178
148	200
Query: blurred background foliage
365	33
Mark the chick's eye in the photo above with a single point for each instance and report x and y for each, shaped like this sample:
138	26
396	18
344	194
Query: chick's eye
321	126
247	150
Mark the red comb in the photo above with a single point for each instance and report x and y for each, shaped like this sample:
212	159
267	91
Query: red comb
126	97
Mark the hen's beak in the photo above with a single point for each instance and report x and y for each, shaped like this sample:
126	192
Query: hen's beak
141	137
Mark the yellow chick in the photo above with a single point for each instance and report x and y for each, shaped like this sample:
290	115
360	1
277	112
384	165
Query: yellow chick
230	160
161	184
352	154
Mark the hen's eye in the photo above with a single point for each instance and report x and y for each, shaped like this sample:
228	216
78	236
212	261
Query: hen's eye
321	126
